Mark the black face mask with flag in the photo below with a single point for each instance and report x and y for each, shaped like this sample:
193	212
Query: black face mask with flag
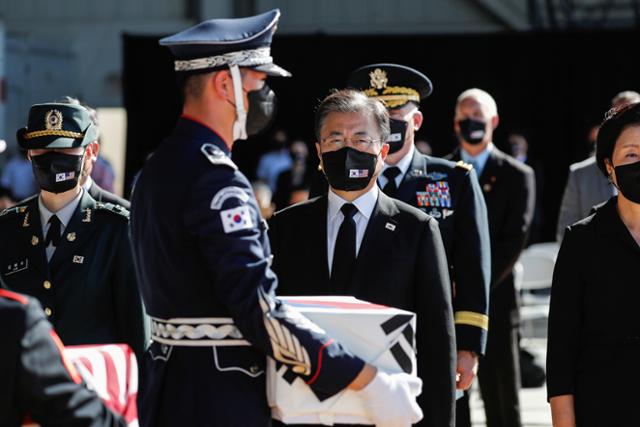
57	172
348	169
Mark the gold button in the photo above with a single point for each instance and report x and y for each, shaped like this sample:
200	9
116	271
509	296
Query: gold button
47	311
47	284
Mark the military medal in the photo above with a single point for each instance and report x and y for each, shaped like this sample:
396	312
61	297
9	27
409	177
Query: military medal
87	215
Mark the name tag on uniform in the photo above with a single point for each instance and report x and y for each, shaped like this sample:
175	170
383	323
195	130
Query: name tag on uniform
16	267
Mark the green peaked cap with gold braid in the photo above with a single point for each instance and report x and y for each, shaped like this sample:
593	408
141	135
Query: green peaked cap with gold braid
56	125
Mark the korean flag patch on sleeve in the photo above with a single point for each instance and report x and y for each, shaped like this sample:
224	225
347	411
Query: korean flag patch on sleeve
236	219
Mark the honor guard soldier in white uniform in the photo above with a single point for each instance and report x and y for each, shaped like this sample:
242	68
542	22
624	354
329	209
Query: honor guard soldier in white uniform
203	260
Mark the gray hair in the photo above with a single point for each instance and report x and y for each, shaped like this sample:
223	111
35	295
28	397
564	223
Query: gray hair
482	97
351	101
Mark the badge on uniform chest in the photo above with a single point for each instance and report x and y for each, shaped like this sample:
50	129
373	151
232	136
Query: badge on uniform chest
16	267
436	194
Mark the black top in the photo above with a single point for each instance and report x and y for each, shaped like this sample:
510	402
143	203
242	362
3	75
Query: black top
35	380
594	333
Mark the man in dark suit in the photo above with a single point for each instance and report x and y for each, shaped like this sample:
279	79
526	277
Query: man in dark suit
357	241
447	191
62	247
98	193
509	191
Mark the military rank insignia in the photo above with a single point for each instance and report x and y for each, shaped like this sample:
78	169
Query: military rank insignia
436	194
16	267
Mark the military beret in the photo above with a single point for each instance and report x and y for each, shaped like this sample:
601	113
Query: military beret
393	84
57	125
219	43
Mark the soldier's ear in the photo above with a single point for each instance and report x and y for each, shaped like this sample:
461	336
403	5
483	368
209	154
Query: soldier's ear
222	84
418	118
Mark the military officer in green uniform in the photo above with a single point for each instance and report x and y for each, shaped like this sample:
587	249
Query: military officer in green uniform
64	248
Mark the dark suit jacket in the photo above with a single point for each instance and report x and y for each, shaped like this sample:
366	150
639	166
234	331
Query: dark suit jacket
99	194
89	286
509	191
403	266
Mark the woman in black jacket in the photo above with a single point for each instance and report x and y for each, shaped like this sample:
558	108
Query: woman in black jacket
594	329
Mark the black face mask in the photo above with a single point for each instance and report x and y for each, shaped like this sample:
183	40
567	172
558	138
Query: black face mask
348	169
472	130
262	109
57	172
628	178
396	137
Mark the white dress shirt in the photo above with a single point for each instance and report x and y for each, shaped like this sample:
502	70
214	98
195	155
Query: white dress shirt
64	215
365	204
403	165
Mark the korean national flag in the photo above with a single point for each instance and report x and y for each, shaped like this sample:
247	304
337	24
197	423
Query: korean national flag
236	219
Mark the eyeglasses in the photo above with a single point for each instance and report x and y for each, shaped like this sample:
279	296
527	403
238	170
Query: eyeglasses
337	141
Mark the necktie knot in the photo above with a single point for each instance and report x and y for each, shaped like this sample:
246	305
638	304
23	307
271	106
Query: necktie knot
53	234
391	173
348	210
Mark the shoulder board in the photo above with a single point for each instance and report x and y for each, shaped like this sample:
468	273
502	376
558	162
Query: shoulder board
13	296
465	166
110	207
216	156
13	210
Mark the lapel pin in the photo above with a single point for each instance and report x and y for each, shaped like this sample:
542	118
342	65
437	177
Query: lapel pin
34	240
87	215
486	188
71	236
25	223
390	226
493	179
77	259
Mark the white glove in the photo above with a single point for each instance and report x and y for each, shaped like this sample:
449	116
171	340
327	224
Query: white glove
390	400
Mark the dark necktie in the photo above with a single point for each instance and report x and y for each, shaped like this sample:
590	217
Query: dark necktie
390	187
344	254
53	234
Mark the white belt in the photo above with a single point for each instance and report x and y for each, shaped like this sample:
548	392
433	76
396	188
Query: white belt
197	332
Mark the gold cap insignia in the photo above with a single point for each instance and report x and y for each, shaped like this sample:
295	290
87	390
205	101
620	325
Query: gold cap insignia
71	236
34	240
53	120
378	78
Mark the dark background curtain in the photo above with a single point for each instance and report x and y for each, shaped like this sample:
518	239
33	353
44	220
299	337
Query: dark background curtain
551	86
